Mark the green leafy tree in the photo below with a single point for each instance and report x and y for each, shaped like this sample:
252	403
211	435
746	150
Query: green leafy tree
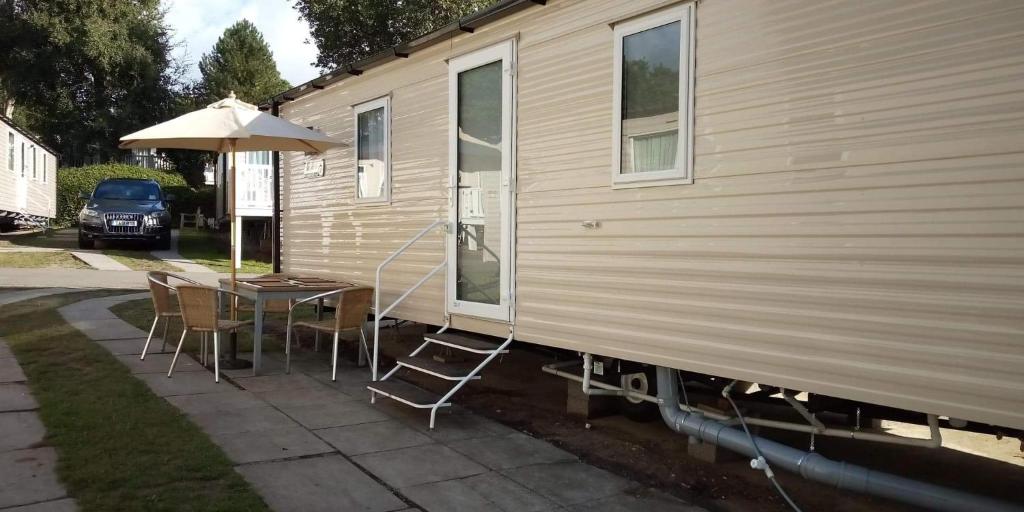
241	62
348	30
82	73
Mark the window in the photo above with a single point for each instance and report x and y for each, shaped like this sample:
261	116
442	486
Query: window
259	157
373	151
35	173
44	167
23	159
10	151
653	100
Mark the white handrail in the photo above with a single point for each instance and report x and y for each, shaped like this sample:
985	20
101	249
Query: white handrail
377	312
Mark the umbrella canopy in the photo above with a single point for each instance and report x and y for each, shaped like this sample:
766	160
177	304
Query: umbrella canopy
215	127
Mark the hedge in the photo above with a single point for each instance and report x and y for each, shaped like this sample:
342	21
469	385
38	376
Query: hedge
72	181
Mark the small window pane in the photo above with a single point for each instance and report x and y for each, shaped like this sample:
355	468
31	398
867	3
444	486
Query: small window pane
650	99
371	170
10	151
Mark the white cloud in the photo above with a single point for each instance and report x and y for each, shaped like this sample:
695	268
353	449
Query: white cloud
198	23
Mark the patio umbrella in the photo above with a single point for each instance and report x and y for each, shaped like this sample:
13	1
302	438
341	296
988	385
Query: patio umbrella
228	126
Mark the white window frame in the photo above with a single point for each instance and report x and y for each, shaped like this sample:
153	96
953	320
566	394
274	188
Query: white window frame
35	166
22	174
12	152
44	167
385	103
682	174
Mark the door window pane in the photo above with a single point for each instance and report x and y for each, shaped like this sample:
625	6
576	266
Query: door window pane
479	160
371	157
650	99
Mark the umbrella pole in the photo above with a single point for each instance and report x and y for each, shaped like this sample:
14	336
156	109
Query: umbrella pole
233	362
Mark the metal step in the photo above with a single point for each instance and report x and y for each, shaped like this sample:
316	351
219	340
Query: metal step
430	366
469	342
406	393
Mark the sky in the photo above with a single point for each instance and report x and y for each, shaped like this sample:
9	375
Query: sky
197	24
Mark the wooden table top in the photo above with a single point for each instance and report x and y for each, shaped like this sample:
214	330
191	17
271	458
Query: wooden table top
287	283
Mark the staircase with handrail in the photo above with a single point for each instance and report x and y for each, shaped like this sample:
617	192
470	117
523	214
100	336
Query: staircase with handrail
458	373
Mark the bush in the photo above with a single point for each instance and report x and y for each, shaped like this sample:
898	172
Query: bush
72	181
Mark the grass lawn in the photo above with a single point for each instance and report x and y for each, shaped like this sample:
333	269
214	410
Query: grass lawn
52	239
140	260
40	260
206	248
120	446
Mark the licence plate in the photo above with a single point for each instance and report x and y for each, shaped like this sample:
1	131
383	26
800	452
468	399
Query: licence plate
129	223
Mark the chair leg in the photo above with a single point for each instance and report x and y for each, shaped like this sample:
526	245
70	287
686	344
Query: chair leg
177	351
216	356
149	338
167	323
364	355
288	345
334	359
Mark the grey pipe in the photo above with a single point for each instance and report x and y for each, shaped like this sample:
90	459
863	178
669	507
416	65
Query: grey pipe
814	466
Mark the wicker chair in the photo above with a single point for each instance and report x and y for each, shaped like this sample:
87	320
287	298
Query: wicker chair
160	289
350	312
200	306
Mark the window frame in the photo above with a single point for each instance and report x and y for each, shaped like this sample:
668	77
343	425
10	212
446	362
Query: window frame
366	106
44	180
22	174
12	151
35	163
682	174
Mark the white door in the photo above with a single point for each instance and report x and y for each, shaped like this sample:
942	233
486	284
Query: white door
481	159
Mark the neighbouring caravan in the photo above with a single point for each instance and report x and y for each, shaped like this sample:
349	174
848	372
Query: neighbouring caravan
28	178
254	200
819	196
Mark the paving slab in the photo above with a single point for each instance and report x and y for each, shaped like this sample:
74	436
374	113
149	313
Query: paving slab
646	501
20	430
511	451
268	445
273	382
159	363
239	420
29	476
10	371
185	383
228	399
64	505
319	484
16	397
419	465
303	396
5	351
12	296
372	437
132	346
99	261
452	426
568	483
489	491
333	414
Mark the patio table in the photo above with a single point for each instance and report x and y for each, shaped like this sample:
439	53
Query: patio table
261	289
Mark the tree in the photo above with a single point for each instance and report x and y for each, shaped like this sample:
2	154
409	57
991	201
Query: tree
81	73
348	30
241	61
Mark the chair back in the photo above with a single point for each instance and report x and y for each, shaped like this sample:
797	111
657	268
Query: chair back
198	307
353	306
161	292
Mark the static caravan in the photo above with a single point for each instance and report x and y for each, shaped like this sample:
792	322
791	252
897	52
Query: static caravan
28	177
254	200
824	197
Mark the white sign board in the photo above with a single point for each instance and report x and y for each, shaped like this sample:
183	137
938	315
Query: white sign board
314	168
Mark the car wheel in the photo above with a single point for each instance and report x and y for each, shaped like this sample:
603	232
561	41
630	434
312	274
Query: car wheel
85	243
164	243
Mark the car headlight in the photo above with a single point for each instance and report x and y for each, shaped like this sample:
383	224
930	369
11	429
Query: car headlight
156	218
90	213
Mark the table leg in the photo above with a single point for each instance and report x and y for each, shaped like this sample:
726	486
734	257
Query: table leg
257	335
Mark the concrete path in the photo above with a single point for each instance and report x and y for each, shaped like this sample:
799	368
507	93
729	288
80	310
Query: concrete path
308	444
83	278
174	258
28	468
8	296
99	261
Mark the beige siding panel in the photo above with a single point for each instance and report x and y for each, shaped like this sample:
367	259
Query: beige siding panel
856	226
857	223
